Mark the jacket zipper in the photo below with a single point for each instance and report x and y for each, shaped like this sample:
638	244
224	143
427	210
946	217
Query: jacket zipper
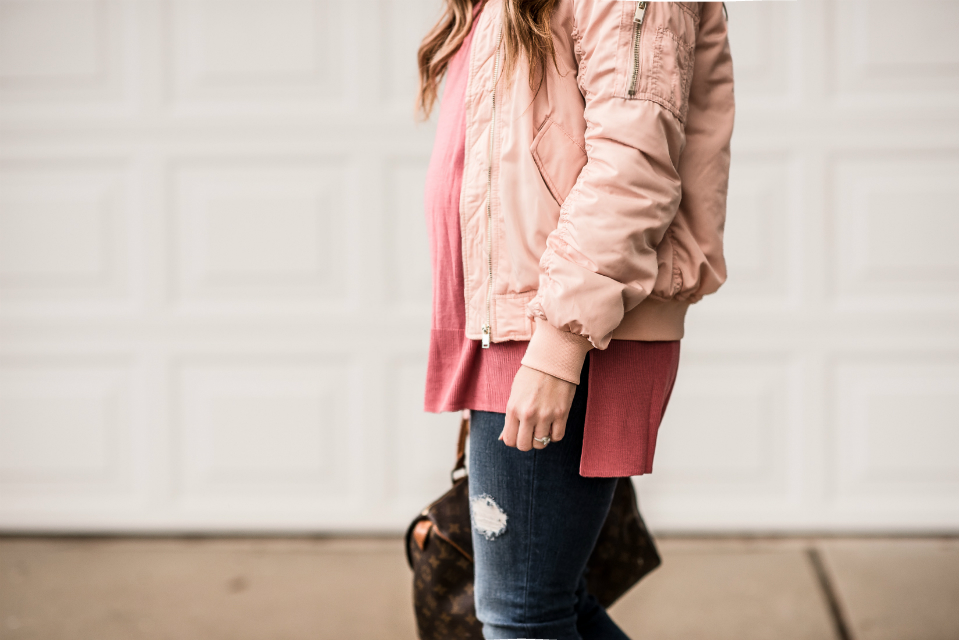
489	194
637	32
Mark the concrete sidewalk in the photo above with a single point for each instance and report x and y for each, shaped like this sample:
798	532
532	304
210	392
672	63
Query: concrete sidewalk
279	589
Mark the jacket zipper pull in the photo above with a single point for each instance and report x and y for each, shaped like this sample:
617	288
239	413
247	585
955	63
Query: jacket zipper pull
640	12
486	336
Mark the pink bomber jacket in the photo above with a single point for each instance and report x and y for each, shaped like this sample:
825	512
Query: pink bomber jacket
593	207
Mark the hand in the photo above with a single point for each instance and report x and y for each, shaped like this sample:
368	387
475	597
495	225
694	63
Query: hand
538	405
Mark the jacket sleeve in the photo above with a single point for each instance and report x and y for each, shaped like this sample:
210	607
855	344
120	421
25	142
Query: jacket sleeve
601	261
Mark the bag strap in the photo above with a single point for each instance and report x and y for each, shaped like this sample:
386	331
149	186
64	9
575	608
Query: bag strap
459	470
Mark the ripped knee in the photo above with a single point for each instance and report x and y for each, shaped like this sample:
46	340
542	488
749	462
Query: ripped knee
488	518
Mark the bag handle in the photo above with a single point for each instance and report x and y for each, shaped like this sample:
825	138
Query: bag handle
459	469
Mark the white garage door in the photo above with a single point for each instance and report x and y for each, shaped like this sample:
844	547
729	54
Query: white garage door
214	279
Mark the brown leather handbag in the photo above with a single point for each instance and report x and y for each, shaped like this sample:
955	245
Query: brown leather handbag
439	550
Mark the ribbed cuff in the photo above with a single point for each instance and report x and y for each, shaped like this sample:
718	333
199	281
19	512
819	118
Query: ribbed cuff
556	352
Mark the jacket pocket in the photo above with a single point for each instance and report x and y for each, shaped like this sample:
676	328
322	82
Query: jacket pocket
559	158
662	54
668	276
672	72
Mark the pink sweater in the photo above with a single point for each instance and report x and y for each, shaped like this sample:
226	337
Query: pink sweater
629	382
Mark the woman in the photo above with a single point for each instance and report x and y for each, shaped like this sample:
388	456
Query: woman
575	205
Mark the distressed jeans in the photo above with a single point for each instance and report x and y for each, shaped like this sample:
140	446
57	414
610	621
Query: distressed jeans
535	521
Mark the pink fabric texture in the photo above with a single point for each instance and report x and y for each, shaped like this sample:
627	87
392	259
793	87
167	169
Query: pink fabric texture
459	375
630	381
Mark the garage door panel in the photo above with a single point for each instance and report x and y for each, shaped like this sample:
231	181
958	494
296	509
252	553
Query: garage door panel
261	232
888	52
895	425
897	220
261	433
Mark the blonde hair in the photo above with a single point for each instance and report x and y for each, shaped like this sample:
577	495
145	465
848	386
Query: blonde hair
525	30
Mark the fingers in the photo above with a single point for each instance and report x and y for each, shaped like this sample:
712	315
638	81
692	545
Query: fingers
510	428
558	429
538	406
520	430
524	439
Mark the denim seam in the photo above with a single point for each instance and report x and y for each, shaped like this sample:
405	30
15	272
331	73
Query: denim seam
529	545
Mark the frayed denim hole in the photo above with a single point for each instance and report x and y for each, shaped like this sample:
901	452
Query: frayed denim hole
487	516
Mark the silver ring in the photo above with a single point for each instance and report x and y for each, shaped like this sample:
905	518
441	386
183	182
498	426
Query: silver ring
544	439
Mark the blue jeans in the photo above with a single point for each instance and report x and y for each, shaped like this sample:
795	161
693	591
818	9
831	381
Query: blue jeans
535	521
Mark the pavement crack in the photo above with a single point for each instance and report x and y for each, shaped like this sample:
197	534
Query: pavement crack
829	592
